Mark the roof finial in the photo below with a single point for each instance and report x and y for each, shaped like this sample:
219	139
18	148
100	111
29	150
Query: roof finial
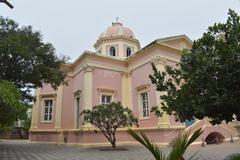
117	18
116	23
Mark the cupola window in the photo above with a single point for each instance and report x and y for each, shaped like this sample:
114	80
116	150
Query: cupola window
128	51
112	51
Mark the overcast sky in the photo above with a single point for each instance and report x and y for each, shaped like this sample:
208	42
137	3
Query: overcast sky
73	26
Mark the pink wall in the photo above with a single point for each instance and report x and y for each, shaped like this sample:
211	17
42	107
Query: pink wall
68	108
140	77
68	105
156	135
43	136
78	82
109	80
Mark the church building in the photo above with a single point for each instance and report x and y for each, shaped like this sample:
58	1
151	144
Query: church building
117	70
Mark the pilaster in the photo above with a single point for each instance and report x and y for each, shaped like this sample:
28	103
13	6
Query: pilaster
87	87
127	89
36	110
164	120
87	90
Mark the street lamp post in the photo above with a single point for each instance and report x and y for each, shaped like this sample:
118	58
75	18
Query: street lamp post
7	3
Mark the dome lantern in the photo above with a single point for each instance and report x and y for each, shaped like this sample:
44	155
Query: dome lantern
121	38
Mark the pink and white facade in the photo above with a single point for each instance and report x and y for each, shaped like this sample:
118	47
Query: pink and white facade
117	71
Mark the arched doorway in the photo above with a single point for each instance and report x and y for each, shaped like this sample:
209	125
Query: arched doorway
214	138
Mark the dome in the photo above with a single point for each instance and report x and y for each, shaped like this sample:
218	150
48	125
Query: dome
117	41
117	29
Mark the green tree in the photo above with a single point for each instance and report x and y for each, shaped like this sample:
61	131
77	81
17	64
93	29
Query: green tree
26	123
206	83
108	118
26	60
181	143
11	108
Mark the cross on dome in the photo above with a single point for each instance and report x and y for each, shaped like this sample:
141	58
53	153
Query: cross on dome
117	18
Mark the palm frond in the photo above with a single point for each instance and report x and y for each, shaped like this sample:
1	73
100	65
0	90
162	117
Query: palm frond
235	156
153	148
181	144
195	136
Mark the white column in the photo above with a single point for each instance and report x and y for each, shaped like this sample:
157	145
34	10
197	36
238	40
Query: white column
87	90
126	90
164	120
87	87
36	110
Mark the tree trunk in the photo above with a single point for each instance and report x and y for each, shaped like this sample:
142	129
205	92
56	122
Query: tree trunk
110	137
113	144
113	141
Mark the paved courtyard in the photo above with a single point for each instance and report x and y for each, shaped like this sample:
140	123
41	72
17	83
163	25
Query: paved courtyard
23	150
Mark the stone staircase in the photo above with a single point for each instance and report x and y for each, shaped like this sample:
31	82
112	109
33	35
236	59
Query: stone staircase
228	131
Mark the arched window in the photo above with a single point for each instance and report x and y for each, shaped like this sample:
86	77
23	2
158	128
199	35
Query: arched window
112	51
128	51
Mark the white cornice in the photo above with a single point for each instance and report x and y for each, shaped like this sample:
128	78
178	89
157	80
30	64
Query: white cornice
106	39
89	57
